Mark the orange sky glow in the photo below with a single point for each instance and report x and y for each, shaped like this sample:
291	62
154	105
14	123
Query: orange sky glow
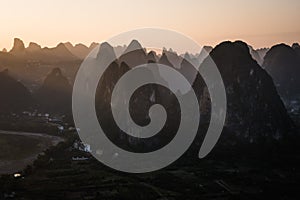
259	23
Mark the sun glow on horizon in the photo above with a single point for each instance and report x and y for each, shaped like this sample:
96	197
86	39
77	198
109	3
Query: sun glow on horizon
259	23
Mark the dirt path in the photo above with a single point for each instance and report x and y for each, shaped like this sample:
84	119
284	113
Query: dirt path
8	166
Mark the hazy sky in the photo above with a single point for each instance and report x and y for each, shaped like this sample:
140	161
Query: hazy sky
258	22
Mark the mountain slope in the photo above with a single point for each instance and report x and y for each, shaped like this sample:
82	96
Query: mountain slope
14	96
283	64
55	95
255	110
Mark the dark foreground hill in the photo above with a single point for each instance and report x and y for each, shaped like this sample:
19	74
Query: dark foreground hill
282	62
255	111
14	96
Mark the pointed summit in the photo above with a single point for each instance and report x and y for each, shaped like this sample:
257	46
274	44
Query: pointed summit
295	46
61	46
59	53
106	52
106	47
4	50
208	48
134	54
152	57
93	45
33	47
79	45
204	53
79	50
55	79
187	56
164	60
54	96
133	46
18	46
69	45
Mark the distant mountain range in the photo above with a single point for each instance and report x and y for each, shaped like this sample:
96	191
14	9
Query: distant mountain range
255	109
66	52
34	52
